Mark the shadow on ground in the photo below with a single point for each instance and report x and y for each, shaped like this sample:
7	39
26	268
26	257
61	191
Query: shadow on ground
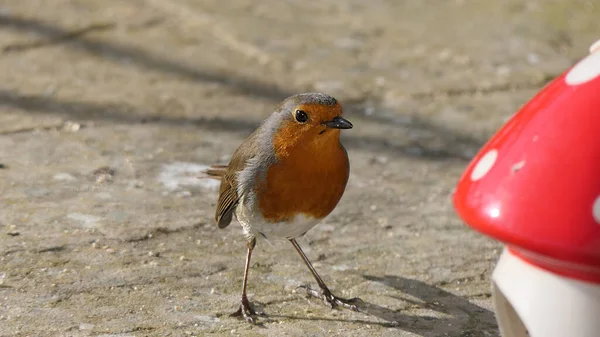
467	319
455	145
117	53
448	143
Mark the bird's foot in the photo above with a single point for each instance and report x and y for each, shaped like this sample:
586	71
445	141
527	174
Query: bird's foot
331	300
247	312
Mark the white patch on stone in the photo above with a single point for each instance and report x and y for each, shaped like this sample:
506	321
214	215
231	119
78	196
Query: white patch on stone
63	177
86	220
484	165
180	174
86	326
206	319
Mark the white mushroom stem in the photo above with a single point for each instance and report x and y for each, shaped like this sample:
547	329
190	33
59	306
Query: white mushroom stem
529	298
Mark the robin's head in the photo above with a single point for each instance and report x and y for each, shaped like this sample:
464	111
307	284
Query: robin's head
307	118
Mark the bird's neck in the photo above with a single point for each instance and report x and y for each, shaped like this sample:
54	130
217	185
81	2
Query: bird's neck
308	146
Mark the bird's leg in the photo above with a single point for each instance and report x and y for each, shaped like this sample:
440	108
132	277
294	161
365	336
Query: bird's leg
245	309
325	294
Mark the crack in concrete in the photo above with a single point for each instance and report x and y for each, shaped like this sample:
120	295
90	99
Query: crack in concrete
164	231
148	236
58	248
69	35
48	127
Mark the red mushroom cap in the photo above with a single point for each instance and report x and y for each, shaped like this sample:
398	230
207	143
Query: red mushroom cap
536	184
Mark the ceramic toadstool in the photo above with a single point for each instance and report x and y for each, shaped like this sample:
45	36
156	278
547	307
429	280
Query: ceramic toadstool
535	186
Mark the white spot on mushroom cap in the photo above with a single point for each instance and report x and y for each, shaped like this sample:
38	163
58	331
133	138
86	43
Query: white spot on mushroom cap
484	165
584	71
596	210
595	47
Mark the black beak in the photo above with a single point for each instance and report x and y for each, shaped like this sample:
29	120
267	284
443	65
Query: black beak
338	123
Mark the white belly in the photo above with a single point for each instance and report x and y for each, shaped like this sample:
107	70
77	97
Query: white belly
255	225
286	230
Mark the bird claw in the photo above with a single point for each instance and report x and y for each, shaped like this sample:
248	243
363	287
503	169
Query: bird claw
247	312
331	300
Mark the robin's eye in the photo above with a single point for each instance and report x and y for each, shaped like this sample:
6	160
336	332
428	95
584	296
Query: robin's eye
301	116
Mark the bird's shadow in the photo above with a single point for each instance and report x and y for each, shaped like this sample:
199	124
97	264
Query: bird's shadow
443	313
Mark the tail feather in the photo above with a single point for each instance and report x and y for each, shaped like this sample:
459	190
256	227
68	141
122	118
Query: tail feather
216	171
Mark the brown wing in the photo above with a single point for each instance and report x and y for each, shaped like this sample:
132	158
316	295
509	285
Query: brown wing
228	194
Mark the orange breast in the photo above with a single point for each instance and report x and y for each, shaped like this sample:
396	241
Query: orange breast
307	179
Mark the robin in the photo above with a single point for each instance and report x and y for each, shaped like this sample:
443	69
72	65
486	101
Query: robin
289	174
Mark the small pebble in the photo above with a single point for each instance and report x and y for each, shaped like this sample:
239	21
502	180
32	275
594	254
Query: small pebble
71	126
104	174
381	160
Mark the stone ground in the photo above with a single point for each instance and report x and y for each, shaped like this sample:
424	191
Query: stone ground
110	109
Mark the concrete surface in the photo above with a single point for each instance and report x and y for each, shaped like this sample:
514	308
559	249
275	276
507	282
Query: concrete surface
110	109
